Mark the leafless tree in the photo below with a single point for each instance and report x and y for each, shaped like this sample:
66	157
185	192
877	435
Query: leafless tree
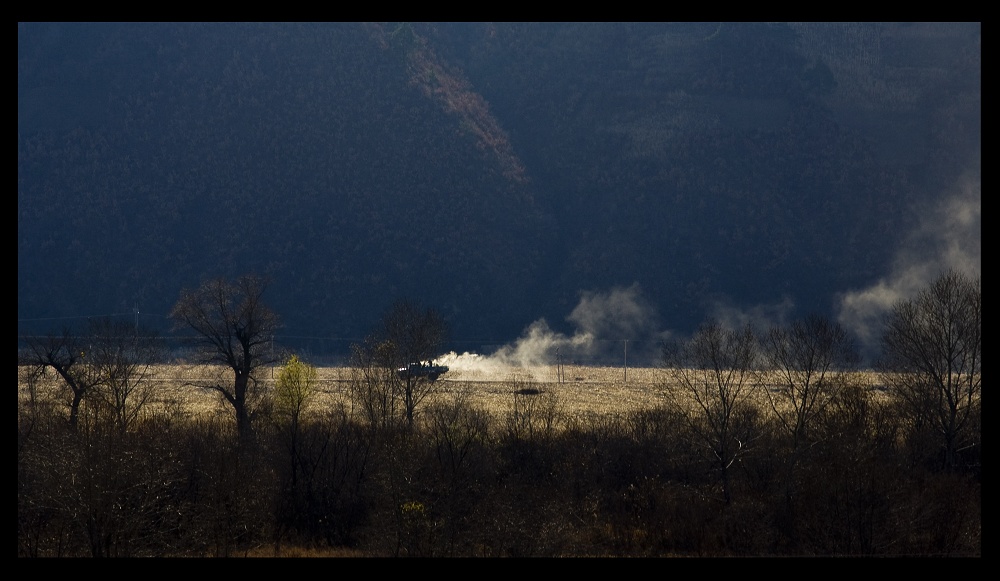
805	366
533	413
712	380
234	328
372	384
66	354
123	356
409	336
457	428
932	359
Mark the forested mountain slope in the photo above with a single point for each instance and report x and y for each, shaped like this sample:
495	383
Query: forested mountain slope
493	171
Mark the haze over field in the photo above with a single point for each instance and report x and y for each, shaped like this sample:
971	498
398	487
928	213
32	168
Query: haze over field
949	235
559	191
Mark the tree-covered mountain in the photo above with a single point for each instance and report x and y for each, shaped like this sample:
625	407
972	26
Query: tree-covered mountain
493	171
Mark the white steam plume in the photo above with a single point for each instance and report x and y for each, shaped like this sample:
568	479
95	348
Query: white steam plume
602	321
761	316
949	237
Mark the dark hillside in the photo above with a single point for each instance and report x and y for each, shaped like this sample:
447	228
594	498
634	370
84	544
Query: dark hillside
494	171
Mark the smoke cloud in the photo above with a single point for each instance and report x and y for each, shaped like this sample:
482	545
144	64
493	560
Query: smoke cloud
948	237
603	322
761	316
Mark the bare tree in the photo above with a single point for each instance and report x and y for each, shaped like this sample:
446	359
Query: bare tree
806	363
65	353
233	327
417	334
712	382
408	339
373	383
533	413
932	359
122	356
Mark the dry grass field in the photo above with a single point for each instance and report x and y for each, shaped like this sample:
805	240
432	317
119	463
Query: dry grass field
583	390
580	392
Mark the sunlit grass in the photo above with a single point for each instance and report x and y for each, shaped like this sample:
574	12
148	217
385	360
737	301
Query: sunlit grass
582	392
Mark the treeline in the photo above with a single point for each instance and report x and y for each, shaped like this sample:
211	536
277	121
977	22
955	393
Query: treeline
768	445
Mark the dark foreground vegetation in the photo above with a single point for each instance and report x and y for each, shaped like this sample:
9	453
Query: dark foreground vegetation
768	448
463	485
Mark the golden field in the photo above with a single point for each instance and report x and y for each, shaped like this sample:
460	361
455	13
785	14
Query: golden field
583	392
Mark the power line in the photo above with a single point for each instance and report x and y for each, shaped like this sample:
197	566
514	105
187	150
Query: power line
134	313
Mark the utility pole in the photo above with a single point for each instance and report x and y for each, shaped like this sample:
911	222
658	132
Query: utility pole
626	360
